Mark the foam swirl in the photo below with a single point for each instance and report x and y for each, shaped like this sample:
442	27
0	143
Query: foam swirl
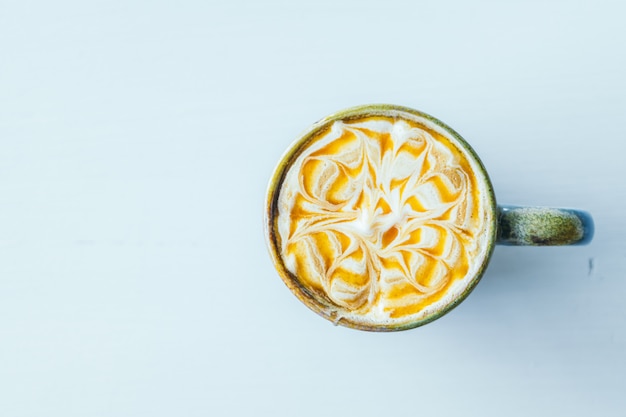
381	216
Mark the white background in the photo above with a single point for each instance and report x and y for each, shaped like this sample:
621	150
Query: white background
136	142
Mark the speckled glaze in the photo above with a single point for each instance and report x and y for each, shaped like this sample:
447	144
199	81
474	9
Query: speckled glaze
543	226
513	225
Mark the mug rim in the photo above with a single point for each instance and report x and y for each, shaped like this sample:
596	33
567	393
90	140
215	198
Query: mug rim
322	307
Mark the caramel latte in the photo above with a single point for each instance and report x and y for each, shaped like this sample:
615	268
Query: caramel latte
381	218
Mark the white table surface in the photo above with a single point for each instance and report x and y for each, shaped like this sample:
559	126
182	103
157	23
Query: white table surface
136	142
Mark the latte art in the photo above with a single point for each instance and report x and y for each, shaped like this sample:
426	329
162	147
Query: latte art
382	218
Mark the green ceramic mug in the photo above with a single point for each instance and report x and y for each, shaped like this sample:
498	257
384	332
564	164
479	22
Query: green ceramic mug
383	218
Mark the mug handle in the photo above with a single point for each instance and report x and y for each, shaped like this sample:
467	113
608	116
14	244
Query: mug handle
543	226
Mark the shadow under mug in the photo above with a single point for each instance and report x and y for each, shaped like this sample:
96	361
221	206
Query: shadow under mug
506	225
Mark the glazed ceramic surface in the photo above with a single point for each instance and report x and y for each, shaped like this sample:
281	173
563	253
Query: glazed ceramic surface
381	217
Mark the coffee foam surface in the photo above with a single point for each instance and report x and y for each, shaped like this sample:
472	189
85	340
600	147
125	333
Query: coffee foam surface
384	217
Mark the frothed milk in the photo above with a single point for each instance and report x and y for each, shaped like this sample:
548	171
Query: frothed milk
382	218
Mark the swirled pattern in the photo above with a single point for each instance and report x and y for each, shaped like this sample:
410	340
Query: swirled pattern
380	216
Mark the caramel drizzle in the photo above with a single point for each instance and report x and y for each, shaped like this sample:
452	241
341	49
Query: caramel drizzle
383	216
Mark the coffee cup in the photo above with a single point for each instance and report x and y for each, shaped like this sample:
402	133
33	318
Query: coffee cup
383	218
